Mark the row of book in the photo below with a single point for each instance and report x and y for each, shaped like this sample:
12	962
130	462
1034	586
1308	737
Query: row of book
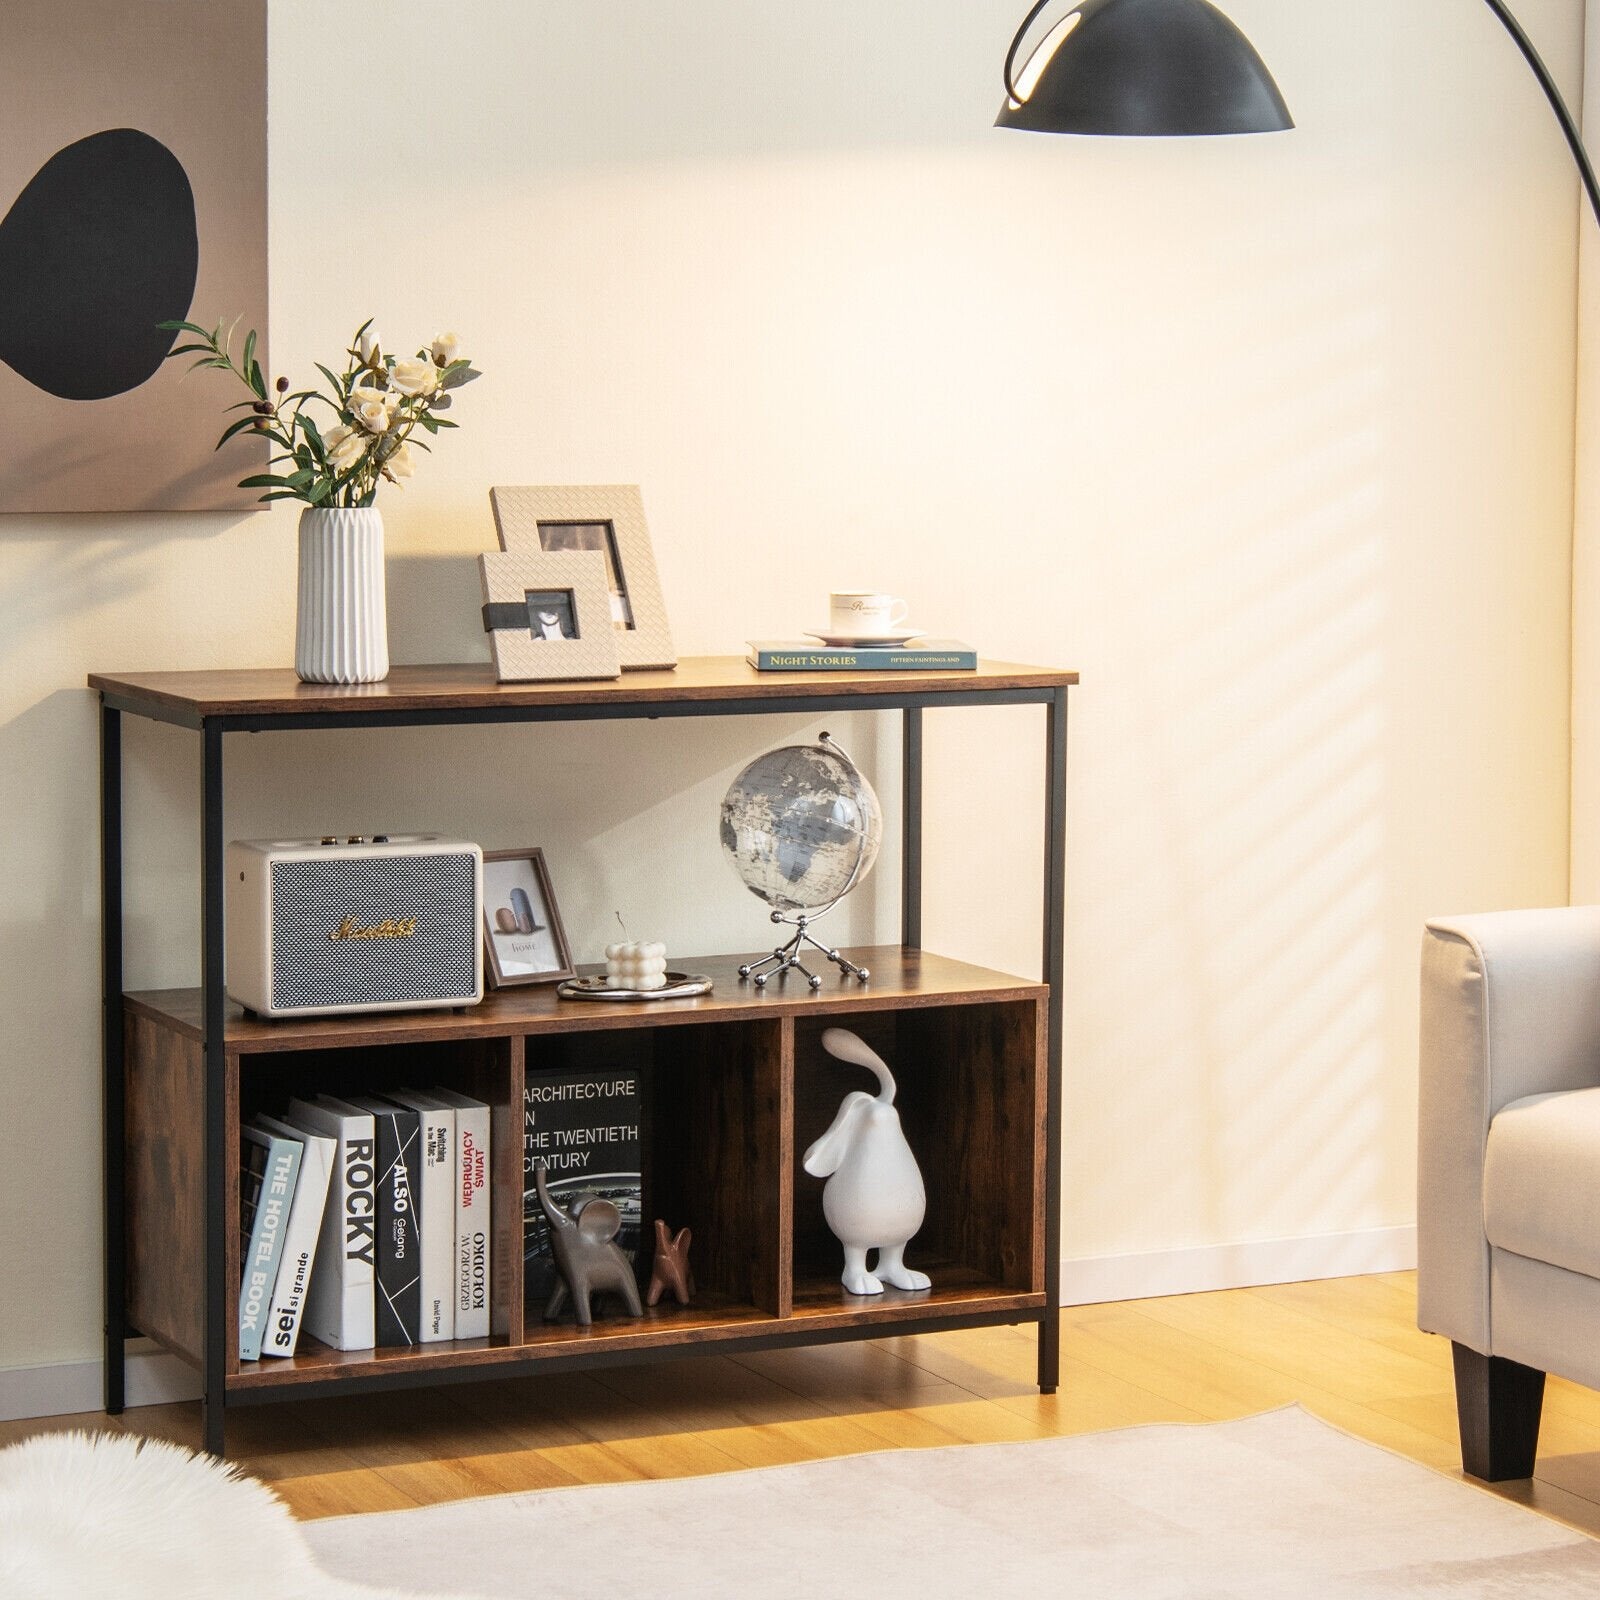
365	1221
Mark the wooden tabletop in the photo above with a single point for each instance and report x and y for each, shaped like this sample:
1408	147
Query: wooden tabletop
472	686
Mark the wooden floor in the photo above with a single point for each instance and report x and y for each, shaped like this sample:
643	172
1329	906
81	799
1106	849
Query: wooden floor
1347	1349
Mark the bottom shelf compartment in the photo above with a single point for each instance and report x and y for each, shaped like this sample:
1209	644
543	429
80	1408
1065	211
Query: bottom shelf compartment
969	1098
708	1316
314	1362
708	1146
728	1104
712	1321
486	1071
956	1288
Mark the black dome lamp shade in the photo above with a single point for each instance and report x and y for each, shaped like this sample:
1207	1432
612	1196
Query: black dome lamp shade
1181	68
1141	67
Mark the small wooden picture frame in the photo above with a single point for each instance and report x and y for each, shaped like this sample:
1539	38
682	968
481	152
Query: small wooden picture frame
523	940
607	519
548	616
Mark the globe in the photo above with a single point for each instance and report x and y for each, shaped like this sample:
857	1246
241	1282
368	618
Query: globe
801	826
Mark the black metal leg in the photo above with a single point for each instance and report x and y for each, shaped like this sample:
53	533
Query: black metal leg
911	829
216	1108
111	1048
1498	1404
1055	889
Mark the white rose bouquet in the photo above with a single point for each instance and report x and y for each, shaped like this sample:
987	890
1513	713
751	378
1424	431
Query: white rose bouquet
378	403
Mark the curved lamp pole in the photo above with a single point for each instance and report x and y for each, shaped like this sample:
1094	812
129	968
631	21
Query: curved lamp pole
1551	93
1181	68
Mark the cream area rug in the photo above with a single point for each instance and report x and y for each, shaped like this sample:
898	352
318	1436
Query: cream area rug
1274	1505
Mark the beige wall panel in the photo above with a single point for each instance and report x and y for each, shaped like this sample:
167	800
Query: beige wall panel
1270	438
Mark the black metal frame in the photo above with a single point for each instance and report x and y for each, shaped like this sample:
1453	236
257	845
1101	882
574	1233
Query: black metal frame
212	728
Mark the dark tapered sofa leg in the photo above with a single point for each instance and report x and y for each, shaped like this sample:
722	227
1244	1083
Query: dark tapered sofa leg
1497	1405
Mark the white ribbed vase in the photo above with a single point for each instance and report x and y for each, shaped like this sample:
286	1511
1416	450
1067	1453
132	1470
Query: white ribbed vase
342	627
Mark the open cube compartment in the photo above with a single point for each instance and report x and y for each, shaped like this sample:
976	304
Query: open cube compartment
711	1146
486	1069
970	1085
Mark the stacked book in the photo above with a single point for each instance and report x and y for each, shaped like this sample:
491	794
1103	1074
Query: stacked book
366	1222
805	655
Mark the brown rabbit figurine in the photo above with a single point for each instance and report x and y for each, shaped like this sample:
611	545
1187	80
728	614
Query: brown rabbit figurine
670	1270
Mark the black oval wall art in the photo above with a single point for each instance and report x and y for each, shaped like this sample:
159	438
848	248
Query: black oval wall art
99	247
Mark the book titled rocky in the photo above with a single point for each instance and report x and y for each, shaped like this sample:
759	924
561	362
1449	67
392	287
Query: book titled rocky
339	1301
584	1124
397	1268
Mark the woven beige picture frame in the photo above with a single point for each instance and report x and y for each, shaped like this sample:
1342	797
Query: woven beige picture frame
519	655
532	518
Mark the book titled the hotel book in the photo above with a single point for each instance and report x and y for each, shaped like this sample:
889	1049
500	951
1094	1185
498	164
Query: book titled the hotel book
269	1168
929	655
300	1234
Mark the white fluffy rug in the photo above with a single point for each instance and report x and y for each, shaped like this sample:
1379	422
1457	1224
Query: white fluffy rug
1277	1505
108	1517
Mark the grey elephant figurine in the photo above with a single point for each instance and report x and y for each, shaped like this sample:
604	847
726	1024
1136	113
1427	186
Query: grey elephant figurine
588	1261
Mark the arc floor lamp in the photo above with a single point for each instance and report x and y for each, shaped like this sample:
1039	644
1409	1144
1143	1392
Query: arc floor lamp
1181	68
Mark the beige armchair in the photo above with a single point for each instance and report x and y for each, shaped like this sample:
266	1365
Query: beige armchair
1508	1205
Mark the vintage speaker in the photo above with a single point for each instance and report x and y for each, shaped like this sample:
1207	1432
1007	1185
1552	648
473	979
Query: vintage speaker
358	924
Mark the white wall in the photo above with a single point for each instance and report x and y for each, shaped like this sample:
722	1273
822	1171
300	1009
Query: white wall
1271	438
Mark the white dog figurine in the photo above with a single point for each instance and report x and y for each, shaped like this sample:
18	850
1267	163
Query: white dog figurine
873	1199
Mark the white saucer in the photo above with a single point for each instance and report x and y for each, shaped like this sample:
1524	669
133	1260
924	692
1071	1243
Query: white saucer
866	640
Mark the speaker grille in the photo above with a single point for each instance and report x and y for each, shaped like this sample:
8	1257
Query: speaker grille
311	898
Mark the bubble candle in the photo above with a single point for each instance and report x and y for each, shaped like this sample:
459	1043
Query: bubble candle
637	964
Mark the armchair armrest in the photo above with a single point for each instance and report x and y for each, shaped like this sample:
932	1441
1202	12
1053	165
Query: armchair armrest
1510	1007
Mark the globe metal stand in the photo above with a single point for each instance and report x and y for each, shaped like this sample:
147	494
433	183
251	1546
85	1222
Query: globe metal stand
787	956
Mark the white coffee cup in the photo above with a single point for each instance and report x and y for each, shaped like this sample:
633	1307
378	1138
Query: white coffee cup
864	613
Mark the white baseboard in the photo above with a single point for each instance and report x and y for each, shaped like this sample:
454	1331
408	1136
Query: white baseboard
153	1378
1092	1280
